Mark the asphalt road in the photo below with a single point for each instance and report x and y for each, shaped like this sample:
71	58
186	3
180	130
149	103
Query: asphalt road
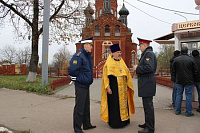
20	110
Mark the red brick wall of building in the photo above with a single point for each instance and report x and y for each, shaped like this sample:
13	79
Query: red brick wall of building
102	20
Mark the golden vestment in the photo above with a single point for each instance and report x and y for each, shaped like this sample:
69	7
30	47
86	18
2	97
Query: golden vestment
125	89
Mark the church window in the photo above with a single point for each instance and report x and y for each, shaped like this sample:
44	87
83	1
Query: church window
107	52
107	30
117	30
111	11
96	15
100	12
97	31
106	4
133	58
106	49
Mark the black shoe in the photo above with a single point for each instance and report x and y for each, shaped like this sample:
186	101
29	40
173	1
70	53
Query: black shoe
79	132
188	115
142	126
198	110
177	113
145	131
90	127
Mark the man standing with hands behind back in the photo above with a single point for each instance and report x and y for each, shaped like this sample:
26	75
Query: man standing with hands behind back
81	72
147	83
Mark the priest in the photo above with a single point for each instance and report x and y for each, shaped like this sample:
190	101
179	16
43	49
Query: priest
117	94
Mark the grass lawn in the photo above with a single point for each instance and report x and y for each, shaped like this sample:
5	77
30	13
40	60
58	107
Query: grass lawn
19	83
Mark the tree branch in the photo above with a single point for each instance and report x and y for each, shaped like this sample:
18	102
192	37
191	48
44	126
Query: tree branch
16	12
53	15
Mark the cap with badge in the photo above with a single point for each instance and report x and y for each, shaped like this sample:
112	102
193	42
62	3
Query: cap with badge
141	41
86	40
114	48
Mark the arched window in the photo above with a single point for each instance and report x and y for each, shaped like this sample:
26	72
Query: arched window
115	14
106	49
97	31
107	52
107	5
133	58
124	20
107	30
111	11
100	12
117	30
96	15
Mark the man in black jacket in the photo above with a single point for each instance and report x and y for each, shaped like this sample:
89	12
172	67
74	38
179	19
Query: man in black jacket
81	71
176	54
195	54
184	70
147	83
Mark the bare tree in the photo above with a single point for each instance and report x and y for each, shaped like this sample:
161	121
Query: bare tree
23	55
8	53
26	16
61	57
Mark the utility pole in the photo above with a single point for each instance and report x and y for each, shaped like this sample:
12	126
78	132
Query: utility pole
45	42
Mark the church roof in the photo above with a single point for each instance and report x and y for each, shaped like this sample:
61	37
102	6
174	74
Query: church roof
89	10
123	11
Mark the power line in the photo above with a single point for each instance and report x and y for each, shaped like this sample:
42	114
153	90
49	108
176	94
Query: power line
167	9
181	16
148	14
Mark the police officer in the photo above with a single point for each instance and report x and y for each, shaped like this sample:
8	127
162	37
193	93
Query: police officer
147	83
81	72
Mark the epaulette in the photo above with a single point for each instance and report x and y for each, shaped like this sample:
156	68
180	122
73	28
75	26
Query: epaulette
79	53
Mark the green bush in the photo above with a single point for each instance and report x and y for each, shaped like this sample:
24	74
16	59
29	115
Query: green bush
43	89
19	83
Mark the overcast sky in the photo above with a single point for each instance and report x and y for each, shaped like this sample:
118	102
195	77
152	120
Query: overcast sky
142	25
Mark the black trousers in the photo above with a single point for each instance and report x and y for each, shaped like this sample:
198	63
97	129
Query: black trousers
81	114
149	113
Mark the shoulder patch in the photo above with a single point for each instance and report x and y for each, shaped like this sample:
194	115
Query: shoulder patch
79	53
74	61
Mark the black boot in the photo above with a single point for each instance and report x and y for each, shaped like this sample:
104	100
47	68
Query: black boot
145	130
90	127
142	126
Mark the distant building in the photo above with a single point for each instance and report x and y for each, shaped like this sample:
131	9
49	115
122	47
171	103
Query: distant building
108	29
184	34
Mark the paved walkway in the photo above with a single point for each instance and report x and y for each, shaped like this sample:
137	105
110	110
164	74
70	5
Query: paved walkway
20	110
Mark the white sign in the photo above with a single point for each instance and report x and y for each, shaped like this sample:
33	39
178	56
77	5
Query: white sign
189	25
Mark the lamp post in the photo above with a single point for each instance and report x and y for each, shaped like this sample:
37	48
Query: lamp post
45	43
181	16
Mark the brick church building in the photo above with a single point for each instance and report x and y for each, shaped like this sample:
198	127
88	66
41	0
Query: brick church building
108	29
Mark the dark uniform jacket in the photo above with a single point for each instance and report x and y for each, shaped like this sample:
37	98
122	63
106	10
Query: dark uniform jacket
81	67
145	72
197	60
185	70
171	63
